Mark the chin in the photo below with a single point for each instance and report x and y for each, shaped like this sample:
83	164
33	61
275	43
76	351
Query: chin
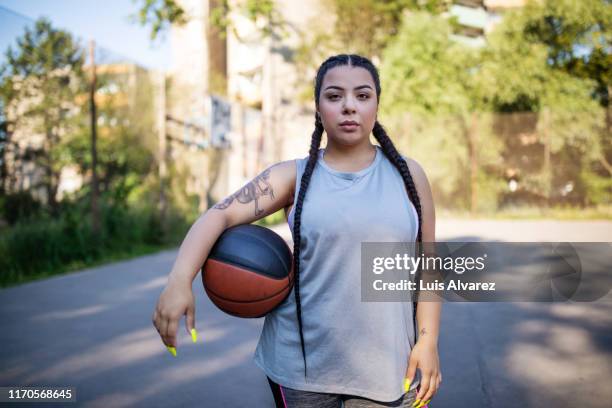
348	139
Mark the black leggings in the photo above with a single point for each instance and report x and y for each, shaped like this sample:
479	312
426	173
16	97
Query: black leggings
289	398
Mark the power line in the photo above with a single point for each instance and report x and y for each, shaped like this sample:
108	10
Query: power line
18	14
103	48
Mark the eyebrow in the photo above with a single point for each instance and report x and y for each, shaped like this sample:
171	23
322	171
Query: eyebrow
342	89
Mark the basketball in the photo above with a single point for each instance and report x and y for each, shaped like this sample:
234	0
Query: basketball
249	271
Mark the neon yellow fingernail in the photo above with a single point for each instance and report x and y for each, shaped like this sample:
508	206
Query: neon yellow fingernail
416	403
172	350
407	383
194	335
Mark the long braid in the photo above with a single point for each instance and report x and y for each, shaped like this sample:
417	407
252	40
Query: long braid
297	222
398	161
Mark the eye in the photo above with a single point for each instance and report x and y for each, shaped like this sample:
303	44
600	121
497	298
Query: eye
333	96
366	96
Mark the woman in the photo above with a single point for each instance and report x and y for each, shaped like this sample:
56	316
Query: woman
323	347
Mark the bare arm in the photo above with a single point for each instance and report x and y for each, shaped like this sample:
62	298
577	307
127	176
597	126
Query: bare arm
424	355
428	313
265	194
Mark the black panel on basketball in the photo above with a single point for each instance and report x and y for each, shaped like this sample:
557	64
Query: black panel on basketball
255	248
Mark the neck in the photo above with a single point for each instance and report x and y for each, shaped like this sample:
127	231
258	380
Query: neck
349	153
349	158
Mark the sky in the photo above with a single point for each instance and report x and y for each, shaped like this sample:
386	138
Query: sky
107	22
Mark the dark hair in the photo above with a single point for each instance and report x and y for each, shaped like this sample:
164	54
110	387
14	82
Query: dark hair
387	146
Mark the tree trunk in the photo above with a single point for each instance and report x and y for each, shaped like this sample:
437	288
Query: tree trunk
547	168
473	146
163	149
95	215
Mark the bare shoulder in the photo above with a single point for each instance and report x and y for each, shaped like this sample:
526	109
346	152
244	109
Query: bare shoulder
285	167
420	181
426	198
418	173
286	171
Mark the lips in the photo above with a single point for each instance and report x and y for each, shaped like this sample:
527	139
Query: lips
349	126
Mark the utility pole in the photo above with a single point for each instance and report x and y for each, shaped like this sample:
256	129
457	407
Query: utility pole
95	213
162	147
547	167
473	152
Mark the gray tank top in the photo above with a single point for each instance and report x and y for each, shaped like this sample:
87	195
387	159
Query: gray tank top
352	347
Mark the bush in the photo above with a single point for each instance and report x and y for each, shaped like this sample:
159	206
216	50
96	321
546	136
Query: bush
18	206
45	245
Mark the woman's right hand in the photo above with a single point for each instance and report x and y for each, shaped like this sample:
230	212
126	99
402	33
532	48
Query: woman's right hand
175	301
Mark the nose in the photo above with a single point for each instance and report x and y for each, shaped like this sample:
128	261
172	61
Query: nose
349	104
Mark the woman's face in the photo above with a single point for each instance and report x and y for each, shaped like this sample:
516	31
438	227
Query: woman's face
348	94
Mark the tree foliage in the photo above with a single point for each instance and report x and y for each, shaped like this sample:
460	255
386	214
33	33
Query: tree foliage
39	84
159	15
548	58
545	58
366	26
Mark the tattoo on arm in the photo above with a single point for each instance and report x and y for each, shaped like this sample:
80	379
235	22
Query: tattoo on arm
252	191
423	332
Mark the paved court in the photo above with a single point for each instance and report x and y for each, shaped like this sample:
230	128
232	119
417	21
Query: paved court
92	330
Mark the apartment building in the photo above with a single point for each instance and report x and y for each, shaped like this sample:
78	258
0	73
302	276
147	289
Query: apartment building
477	18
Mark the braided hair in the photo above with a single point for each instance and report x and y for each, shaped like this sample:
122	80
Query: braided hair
388	148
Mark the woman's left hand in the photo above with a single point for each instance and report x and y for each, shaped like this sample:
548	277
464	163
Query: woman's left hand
424	356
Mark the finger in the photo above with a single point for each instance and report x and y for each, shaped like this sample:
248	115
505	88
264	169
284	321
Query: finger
425	380
432	388
190	324
410	372
169	335
171	331
163	326
423	403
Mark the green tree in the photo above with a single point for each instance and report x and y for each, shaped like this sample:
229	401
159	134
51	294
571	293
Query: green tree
125	105
366	26
431	101
363	27
39	85
159	15
547	58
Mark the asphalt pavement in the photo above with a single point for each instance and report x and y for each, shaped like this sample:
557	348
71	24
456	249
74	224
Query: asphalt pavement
92	330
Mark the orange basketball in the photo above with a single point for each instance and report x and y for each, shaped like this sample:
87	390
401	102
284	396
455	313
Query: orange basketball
249	271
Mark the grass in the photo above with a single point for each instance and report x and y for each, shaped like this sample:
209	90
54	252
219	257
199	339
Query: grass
76	266
112	255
